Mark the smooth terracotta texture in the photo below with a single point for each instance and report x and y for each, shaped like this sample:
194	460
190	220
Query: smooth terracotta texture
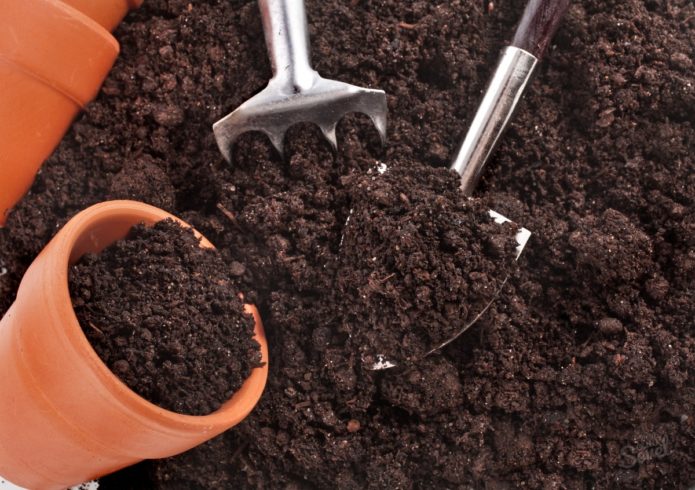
108	13
65	418
53	59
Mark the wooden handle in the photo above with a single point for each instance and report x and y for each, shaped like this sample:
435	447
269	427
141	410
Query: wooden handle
539	24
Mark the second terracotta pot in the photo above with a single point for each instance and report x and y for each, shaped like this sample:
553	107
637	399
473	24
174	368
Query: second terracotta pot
65	418
54	56
108	13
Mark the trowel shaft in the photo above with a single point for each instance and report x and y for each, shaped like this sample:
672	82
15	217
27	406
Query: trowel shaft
513	74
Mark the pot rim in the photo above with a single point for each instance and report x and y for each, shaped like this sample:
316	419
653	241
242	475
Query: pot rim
82	227
41	38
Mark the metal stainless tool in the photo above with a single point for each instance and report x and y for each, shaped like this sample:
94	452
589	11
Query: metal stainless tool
512	76
296	93
538	25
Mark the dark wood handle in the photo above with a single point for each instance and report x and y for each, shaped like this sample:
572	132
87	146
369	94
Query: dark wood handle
539	24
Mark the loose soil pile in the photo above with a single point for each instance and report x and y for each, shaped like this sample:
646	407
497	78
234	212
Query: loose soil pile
163	314
589	358
422	259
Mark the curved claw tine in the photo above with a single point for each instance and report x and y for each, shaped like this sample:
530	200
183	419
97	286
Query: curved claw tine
224	143
277	139
330	134
375	106
226	133
380	122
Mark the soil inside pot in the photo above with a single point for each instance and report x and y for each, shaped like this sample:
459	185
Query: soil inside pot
164	316
589	358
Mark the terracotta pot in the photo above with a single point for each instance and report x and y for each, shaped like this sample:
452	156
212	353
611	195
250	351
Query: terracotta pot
65	418
53	59
108	13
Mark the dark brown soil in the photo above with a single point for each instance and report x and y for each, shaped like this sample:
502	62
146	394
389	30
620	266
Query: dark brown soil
164	316
418	263
581	377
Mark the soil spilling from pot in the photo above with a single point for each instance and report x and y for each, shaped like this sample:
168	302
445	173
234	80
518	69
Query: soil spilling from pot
163	314
582	376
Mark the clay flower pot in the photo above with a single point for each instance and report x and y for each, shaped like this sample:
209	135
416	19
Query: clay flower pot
65	418
108	13
54	56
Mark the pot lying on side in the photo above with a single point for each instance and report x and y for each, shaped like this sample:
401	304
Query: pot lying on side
54	56
65	418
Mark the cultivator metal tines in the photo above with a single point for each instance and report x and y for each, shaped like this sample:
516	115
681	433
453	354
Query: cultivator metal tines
296	93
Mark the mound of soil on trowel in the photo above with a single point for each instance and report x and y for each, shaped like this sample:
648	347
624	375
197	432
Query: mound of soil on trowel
585	364
418	263
164	316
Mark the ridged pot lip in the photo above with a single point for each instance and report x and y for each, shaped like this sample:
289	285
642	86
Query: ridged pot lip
61	254
34	35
